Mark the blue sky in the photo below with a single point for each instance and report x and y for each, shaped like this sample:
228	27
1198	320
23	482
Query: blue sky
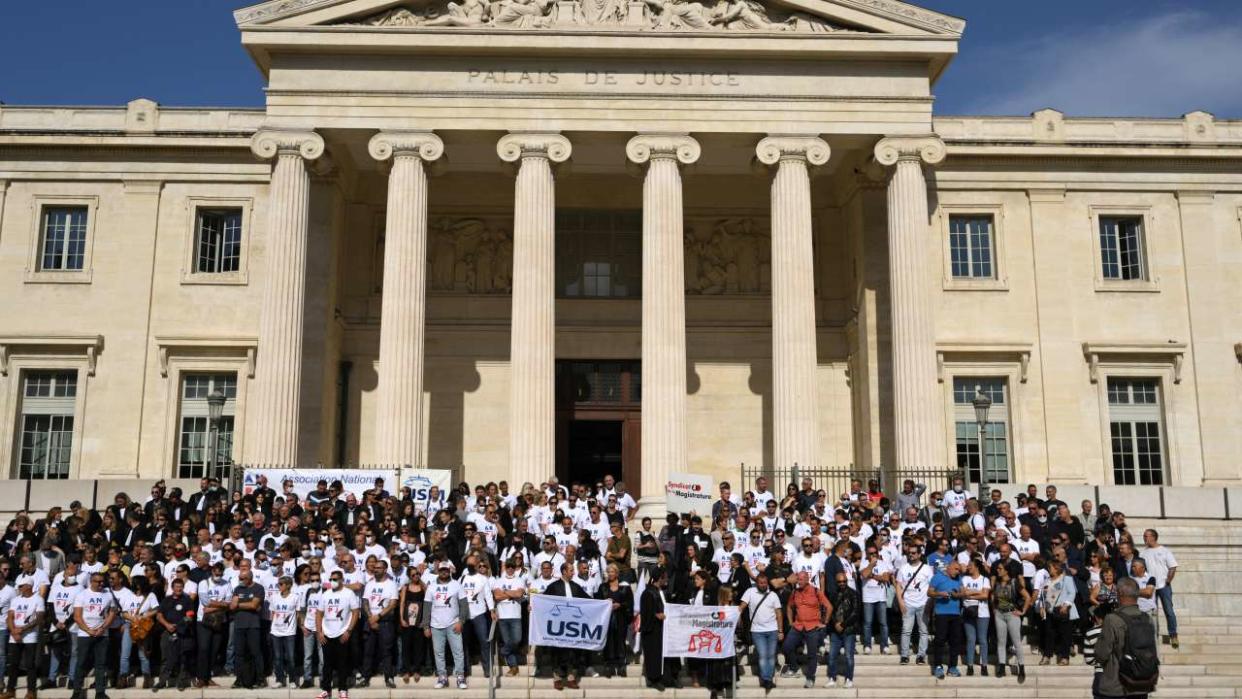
1084	57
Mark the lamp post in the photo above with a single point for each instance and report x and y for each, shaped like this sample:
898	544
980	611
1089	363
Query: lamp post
215	408
982	403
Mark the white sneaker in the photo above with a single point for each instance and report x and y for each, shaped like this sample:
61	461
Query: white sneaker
831	684
866	650
441	683
461	682
849	684
883	650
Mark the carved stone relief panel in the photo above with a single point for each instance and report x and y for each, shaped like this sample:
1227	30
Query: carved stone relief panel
471	255
727	256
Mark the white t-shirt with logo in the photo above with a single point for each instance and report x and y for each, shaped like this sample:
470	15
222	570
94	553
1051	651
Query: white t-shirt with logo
874	590
24	610
61	597
510	608
724	563
978	584
379	593
284	612
444	600
955	503
7	593
812	566
95	607
1023	548
337	606
762	614
310	600
210	591
914	583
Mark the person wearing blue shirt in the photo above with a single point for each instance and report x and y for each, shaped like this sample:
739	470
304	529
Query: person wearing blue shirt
946	590
939	559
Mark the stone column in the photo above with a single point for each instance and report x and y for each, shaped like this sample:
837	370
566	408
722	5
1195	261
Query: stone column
917	402
664	312
273	438
399	414
532	356
795	401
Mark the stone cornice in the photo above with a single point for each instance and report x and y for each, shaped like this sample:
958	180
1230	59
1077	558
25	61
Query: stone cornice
87	345
646	147
925	149
812	149
419	144
270	143
552	146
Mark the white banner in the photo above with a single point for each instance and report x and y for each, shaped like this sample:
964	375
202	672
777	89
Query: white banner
305	479
689	492
569	622
699	632
420	481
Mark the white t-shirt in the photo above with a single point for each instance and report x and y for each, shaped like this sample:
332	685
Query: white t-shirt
1023	548
336	607
7	593
61	596
510	608
210	591
24	609
975	585
477	589
284	611
95	607
812	566
38	578
955	503
310	598
443	598
377	594
873	590
762	614
1159	560
850	570
1145	604
914	583
724	563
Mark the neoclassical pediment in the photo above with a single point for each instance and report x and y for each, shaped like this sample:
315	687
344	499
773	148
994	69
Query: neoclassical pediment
730	16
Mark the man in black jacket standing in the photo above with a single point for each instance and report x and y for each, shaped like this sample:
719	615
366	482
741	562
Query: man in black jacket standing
568	662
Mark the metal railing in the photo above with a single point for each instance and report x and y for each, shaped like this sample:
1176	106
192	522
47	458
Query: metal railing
837	481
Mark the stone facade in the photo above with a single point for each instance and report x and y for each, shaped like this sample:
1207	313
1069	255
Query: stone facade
795	195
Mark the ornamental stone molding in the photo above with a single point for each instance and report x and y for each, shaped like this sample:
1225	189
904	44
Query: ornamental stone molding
926	149
811	149
424	145
643	148
269	143
516	146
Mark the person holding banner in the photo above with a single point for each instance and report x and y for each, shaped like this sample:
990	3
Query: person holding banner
568	663
660	672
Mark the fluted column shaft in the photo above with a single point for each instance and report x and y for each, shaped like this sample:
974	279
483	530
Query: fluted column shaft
917	404
664	312
795	401
532	406
276	401
399	416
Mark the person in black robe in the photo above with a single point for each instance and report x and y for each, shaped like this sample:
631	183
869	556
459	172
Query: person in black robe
569	662
621	595
658	671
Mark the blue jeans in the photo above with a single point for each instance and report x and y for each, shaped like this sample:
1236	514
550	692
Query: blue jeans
765	648
511	637
912	616
871	612
977	632
310	651
812	639
841	643
446	635
1165	595
481	627
53	665
4	650
127	649
282	658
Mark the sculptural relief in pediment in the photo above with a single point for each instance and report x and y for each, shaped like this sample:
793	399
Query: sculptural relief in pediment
727	256
641	15
470	255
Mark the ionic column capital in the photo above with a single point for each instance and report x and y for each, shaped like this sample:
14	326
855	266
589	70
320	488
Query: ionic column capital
810	149
644	148
516	146
423	145
270	143
924	149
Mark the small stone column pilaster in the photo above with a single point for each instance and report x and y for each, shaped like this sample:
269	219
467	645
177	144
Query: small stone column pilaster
664	312
399	414
532	356
917	403
273	438
795	401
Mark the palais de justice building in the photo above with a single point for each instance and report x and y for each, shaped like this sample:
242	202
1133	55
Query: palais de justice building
520	237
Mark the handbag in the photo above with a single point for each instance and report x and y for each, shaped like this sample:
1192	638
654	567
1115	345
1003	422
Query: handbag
141	628
215	621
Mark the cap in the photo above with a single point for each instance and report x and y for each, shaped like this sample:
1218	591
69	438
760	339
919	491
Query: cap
444	565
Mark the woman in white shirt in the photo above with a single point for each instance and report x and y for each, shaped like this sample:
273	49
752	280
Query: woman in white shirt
509	592
877	575
136	603
976	616
283	608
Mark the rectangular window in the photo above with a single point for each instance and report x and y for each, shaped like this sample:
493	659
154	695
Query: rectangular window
995	447
599	253
49	400
218	241
63	245
1135	417
1121	248
194	443
970	247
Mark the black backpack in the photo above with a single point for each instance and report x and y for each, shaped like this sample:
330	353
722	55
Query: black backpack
1140	666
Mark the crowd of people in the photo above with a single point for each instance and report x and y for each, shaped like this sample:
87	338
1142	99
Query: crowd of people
173	591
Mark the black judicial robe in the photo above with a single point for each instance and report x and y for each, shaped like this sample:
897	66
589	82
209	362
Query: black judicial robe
655	668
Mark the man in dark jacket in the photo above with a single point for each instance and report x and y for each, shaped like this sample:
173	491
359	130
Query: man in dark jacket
1112	644
842	629
568	662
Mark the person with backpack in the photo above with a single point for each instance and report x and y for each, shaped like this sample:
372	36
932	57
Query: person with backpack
1126	651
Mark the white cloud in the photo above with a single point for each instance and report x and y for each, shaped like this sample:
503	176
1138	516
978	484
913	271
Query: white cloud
1162	65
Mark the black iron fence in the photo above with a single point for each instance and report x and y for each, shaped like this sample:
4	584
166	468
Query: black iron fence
837	481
